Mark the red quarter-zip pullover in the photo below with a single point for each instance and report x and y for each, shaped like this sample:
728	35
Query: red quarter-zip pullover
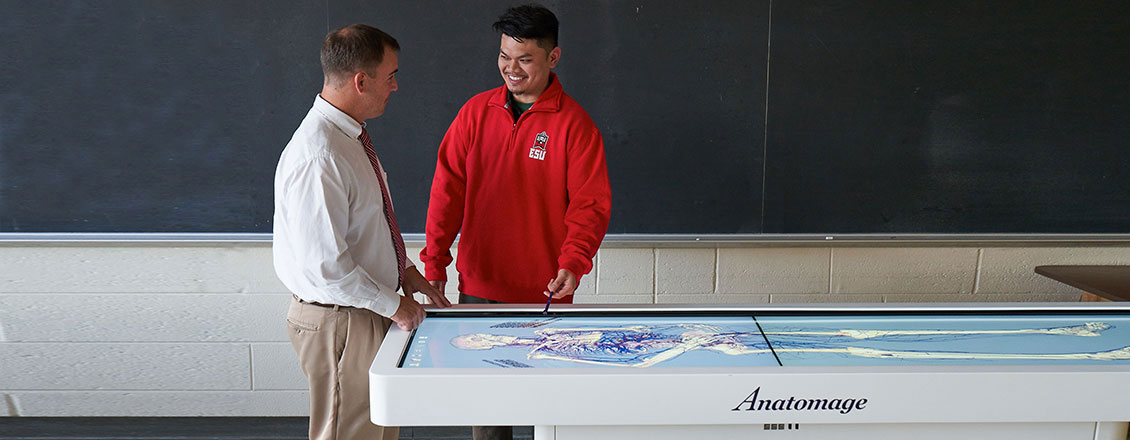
530	196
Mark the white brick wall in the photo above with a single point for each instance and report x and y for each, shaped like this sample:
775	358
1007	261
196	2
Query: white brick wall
197	330
773	270
929	270
145	330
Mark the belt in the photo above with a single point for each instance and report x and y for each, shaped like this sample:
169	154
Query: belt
333	306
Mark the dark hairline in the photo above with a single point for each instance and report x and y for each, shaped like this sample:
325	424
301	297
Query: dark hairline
530	21
543	43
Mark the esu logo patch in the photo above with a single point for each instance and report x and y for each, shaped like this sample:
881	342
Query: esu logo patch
540	142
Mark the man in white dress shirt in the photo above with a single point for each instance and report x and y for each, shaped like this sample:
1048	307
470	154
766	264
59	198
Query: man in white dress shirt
336	243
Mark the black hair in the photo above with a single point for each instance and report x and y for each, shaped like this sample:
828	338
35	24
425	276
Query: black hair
354	48
529	21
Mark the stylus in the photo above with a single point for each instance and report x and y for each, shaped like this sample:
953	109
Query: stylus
546	311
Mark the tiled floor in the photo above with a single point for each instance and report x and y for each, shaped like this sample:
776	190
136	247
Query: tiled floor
196	428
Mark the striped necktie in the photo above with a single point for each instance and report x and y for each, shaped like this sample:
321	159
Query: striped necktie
397	239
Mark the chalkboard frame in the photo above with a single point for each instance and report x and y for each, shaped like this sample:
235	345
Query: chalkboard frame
626	240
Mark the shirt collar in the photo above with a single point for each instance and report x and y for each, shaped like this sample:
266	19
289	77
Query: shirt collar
338	118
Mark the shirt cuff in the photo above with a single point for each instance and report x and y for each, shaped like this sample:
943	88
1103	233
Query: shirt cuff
435	274
385	304
577	268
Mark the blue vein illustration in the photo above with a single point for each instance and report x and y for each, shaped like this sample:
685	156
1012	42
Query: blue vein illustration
645	344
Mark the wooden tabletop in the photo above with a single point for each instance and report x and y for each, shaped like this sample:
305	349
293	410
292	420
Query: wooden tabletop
1110	282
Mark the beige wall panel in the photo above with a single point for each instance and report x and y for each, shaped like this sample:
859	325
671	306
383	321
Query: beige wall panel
993	297
1012	270
903	270
124	366
588	281
159	317
684	270
197	330
262	270
713	299
162	404
132	269
773	270
274	366
614	299
795	298
626	271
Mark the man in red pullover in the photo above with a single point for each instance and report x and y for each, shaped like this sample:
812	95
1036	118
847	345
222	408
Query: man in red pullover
521	173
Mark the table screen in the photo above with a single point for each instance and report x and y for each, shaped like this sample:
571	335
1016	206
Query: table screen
582	341
729	341
949	340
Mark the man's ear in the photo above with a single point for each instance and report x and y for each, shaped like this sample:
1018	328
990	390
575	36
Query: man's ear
554	56
358	82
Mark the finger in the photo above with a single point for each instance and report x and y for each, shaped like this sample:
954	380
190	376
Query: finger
438	299
569	288
413	318
566	291
435	296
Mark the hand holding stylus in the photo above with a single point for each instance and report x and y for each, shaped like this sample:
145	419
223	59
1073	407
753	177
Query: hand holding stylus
560	287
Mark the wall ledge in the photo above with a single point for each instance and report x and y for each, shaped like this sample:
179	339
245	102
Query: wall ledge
620	240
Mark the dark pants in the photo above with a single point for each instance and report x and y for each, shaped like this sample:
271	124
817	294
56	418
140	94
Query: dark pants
487	432
468	299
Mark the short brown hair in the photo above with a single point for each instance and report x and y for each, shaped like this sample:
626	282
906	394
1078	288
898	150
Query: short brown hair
354	48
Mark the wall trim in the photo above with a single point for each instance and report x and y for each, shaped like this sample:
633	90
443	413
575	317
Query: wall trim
626	240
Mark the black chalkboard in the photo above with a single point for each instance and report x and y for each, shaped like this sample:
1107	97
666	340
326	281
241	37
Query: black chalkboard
150	116
949	116
747	117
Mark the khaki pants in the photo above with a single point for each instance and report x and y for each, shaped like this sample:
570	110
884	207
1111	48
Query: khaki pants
336	347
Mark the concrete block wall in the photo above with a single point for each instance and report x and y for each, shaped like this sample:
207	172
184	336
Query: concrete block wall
135	329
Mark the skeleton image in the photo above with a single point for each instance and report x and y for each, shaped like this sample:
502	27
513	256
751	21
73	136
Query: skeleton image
647	345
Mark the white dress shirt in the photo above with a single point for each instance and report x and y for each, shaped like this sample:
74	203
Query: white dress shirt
332	243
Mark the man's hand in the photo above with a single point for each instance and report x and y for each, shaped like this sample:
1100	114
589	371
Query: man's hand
441	285
409	315
562	286
414	282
